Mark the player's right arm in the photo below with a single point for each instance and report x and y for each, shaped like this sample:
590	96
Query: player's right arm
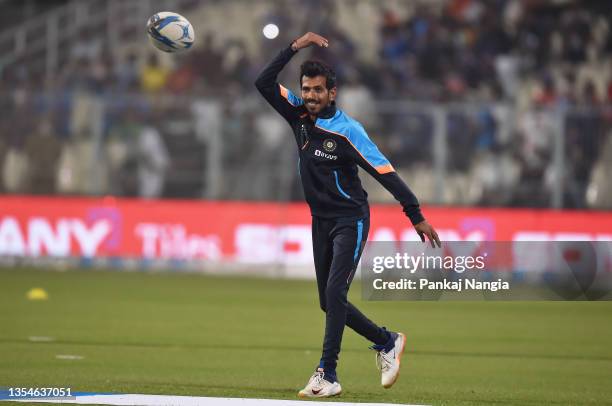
279	97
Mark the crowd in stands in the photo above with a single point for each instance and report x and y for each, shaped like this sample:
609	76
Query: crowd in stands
510	74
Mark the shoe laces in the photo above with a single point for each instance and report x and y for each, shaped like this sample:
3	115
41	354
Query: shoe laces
318	379
384	359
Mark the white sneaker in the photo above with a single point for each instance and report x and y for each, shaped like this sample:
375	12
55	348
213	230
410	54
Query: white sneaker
318	387
389	362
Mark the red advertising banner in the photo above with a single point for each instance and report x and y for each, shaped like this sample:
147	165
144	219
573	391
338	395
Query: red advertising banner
248	232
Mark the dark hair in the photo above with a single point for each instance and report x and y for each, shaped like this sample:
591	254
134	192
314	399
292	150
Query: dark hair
312	69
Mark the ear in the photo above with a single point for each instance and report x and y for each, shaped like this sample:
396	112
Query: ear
332	94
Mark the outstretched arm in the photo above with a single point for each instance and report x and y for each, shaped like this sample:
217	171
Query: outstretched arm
281	98
376	164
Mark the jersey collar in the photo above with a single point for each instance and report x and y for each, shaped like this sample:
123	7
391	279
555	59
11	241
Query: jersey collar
328	112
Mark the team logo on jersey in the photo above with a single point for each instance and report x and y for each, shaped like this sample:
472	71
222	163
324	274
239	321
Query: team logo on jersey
329	145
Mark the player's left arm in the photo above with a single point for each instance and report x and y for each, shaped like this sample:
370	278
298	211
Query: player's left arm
368	156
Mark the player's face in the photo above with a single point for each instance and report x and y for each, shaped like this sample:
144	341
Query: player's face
315	94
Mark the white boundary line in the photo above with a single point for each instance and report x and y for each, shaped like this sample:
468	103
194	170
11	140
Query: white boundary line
164	400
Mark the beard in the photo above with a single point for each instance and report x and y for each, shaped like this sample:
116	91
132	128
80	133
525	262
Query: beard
313	107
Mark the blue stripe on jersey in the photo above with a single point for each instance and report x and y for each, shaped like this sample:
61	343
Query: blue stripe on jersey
296	101
359	238
353	131
342	192
288	94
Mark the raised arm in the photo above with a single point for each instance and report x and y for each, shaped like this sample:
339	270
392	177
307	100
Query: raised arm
279	97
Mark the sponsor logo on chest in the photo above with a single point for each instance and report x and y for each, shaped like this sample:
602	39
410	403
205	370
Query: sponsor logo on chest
325	155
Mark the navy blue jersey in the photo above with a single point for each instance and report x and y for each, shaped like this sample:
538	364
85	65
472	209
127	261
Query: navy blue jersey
330	149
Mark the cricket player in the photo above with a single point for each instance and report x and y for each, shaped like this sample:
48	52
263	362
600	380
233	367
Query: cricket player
331	145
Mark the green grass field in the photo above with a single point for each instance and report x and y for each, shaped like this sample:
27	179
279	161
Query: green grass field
188	334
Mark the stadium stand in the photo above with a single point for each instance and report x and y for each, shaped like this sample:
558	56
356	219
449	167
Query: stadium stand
490	103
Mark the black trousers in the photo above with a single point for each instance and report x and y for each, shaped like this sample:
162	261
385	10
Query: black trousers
337	246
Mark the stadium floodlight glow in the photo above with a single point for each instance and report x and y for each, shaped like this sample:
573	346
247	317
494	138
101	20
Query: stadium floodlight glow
270	31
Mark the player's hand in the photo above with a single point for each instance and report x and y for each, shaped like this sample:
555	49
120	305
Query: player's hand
425	229
308	39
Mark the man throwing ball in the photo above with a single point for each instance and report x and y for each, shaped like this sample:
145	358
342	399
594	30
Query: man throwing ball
331	145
